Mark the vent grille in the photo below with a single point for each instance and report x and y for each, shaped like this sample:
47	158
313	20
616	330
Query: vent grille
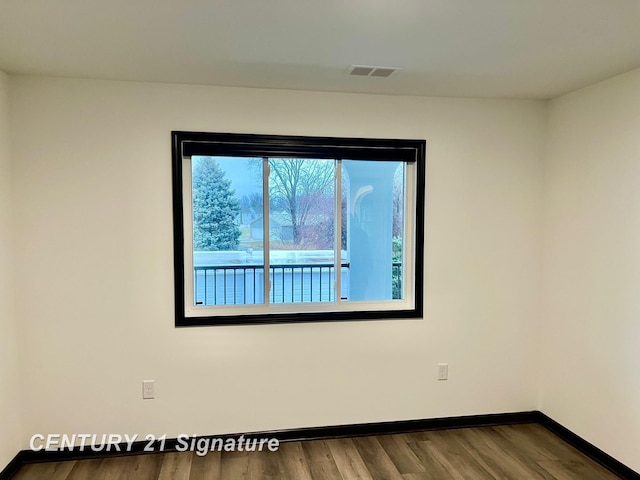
361	71
371	71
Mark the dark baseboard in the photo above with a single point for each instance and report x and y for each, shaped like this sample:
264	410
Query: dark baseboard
401	426
588	449
354	430
14	465
298	434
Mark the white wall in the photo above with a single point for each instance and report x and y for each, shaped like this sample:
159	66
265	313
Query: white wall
95	286
591	330
9	412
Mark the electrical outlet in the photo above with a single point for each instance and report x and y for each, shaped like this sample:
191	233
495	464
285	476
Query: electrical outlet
148	389
443	371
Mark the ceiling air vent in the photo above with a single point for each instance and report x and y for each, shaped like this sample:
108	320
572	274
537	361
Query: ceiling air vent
370	71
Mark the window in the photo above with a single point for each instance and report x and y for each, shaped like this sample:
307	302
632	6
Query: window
278	228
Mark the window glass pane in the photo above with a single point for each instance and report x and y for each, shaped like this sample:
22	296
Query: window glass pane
227	230
375	229
302	230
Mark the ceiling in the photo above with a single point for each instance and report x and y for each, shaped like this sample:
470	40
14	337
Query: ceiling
462	48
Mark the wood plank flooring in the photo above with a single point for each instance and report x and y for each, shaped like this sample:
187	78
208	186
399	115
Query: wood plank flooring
518	452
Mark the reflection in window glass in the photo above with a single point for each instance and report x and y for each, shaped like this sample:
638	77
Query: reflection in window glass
375	193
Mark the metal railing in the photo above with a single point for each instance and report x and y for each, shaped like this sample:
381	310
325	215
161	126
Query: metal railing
290	283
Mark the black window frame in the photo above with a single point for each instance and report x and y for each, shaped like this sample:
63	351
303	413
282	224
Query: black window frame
185	143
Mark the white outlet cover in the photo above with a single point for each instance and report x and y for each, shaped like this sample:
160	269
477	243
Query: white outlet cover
148	389
443	371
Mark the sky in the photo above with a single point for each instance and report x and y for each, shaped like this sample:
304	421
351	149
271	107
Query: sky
245	174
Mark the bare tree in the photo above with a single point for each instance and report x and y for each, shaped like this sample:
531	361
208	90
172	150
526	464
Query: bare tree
298	185
398	203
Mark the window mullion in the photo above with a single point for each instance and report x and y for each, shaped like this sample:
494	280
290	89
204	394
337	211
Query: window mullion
265	230
338	231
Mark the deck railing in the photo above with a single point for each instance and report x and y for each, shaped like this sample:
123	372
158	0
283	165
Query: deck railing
290	283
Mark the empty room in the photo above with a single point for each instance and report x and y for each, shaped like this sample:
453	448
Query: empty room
342	239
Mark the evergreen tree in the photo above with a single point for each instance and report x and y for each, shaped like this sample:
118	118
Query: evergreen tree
215	208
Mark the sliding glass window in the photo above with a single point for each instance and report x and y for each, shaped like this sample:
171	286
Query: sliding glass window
281	229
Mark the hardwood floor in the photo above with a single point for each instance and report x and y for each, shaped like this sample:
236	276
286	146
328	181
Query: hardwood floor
517	452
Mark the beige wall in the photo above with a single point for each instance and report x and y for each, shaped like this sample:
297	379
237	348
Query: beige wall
9	413
591	330
87	197
95	286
